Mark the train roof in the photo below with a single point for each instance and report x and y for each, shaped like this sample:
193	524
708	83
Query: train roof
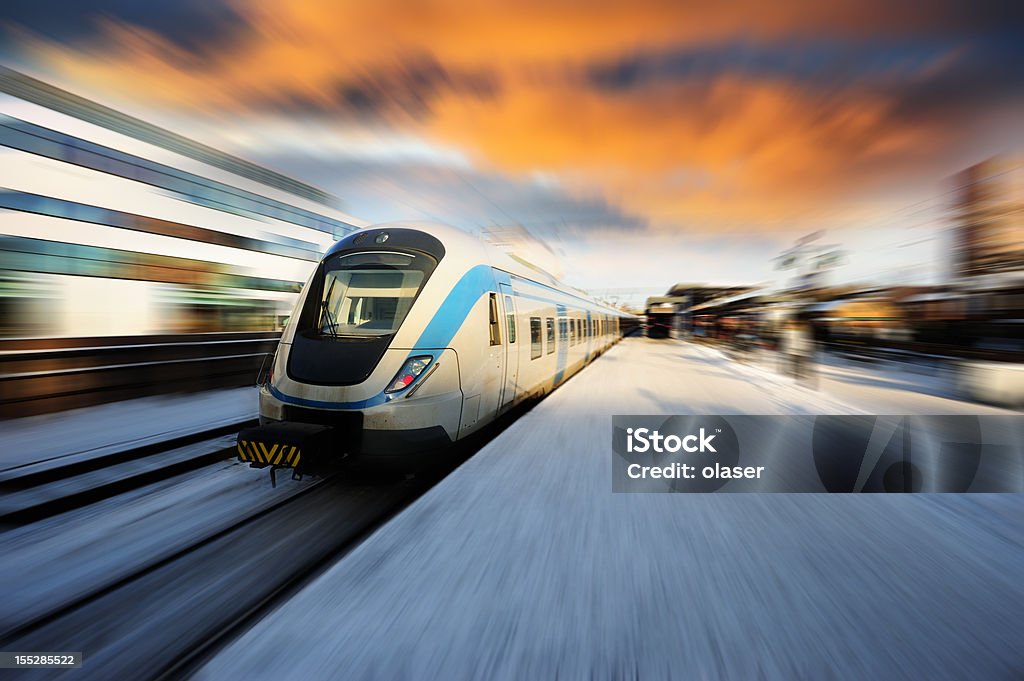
474	246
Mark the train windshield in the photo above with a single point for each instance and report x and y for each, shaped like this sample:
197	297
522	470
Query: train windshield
368	294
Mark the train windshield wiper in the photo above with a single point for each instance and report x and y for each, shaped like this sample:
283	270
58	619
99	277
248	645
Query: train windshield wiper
325	308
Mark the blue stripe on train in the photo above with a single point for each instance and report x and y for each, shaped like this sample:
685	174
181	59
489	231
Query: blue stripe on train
453	311
437	335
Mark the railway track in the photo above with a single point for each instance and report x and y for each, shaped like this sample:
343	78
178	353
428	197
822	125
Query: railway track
169	608
33	492
167	614
150	559
154	569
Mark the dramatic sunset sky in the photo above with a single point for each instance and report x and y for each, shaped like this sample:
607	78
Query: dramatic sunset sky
664	141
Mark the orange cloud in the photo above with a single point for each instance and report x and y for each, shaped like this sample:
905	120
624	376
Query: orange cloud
733	150
727	149
301	48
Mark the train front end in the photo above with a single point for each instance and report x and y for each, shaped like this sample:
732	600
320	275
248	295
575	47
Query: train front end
364	366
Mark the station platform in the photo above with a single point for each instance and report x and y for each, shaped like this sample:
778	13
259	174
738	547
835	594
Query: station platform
94	431
523	564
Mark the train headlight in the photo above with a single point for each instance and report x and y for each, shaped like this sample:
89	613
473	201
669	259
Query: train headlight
412	369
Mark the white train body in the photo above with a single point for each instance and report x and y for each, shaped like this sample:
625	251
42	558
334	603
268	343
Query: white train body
483	333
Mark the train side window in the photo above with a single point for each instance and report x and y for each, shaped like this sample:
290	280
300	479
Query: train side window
510	319
572	332
536	341
551	335
563	331
494	323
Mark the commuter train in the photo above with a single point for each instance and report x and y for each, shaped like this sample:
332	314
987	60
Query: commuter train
409	337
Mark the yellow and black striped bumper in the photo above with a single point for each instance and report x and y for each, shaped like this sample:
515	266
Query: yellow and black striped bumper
283	444
255	451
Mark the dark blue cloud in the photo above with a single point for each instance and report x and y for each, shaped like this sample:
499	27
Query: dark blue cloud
190	24
408	86
925	79
814	63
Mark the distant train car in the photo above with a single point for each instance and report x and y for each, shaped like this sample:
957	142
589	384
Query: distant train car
408	338
660	319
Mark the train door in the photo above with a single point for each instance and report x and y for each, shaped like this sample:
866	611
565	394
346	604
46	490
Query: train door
588	335
511	346
490	398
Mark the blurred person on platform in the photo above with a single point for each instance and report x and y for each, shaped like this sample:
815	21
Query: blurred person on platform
798	346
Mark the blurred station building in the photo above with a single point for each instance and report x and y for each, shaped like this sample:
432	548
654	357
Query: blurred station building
111	226
674	315
972	320
989	214
977	310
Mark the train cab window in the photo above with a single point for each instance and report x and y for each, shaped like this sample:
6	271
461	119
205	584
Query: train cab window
536	341
367	294
494	325
510	319
551	335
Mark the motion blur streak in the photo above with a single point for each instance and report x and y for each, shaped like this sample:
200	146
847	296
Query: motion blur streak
811	207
